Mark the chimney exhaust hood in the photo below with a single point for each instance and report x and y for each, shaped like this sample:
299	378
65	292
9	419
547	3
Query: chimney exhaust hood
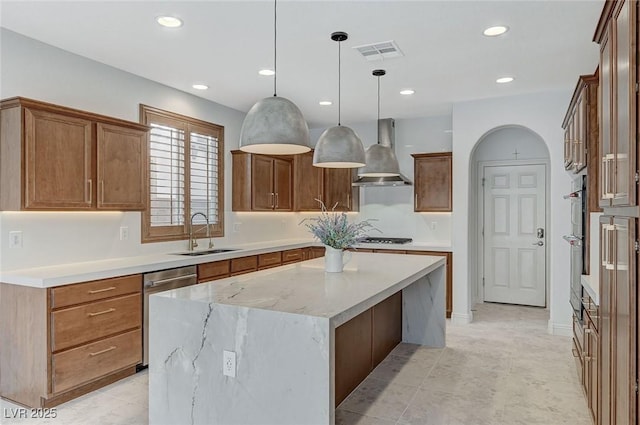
386	137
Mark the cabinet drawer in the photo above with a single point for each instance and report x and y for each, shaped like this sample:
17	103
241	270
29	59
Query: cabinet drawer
87	362
291	256
77	325
216	269
244	264
96	290
269	260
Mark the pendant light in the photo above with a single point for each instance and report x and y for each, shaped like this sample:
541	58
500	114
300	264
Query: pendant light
274	125
381	160
339	147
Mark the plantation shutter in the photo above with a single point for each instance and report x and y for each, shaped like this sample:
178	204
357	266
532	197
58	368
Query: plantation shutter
166	179
186	176
204	177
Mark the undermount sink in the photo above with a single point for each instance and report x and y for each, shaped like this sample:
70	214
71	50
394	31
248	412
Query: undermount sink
206	252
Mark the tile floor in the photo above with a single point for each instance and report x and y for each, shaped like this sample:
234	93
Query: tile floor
503	369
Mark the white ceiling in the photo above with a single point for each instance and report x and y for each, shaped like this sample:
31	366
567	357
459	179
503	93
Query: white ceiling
224	43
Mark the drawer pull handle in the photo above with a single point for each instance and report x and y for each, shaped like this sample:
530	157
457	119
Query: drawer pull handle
106	350
110	310
575	352
97	291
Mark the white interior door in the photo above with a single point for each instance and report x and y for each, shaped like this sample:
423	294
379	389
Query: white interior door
514	234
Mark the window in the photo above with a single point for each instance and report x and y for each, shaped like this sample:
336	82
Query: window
185	176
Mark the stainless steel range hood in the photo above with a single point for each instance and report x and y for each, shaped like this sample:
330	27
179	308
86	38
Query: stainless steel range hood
386	137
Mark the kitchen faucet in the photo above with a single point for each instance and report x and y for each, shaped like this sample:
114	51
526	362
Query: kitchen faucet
192	241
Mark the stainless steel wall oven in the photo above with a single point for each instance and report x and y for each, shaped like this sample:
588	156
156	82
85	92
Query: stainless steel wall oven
579	221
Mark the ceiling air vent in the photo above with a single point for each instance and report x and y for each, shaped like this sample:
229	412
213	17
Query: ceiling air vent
380	51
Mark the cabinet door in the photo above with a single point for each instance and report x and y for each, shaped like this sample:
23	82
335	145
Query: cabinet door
338	190
262	191
433	190
606	148
623	328
122	167
580	152
624	163
57	162
606	283
282	184
308	183
568	159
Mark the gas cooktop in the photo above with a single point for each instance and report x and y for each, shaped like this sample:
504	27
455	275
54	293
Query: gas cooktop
386	240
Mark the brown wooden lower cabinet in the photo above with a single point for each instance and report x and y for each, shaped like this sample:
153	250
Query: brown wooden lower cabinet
244	265
213	270
353	354
270	259
364	341
66	341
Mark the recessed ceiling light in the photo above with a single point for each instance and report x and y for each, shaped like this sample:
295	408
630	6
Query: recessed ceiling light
200	86
495	31
325	102
407	92
169	21
503	80
266	72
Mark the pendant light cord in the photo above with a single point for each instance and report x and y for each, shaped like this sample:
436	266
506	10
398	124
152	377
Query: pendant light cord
339	88
275	46
378	98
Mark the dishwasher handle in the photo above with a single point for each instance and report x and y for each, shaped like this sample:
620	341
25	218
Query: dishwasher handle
154	283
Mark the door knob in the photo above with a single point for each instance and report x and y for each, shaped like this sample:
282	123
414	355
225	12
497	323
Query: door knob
539	243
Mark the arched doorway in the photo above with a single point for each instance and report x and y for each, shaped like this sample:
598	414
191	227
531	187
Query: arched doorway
507	236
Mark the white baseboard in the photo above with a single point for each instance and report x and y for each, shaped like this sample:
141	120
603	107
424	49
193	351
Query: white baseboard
559	329
461	318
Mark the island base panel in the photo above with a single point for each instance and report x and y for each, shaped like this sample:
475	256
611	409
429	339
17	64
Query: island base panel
423	310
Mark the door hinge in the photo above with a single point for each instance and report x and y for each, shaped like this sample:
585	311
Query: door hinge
483	179
483	282
636	177
636	246
636	386
636	87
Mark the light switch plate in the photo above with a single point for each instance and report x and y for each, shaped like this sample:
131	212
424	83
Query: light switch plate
124	233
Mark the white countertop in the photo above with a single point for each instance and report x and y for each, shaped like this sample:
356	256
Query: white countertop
305	288
411	246
63	274
592	287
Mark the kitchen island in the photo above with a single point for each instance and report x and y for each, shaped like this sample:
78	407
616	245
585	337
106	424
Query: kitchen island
281	326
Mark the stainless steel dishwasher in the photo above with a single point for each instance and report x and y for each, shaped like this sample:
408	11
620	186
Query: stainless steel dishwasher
157	282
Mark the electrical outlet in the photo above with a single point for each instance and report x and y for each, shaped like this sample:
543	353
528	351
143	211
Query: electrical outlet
236	227
124	233
15	239
434	225
229	363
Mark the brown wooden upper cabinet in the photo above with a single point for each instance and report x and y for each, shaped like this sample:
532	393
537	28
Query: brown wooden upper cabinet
582	136
339	193
433	182
308	183
261	182
581	127
57	158
616	34
290	183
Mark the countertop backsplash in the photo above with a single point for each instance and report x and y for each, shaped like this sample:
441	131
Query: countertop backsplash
50	238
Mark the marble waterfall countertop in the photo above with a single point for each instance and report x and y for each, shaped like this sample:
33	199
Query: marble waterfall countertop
304	288
264	348
63	274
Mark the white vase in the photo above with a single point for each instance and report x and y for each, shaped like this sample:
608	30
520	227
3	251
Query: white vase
334	259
